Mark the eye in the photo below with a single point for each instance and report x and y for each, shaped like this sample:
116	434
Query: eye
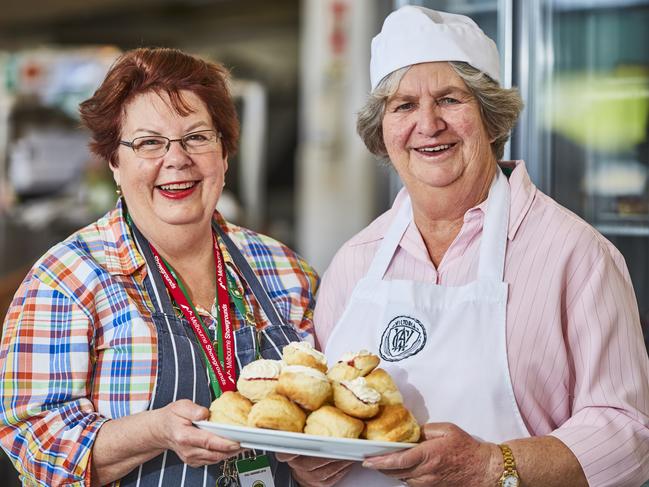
404	107
197	137
148	142
447	100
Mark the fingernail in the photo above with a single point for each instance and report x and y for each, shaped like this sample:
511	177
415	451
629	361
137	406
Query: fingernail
233	447
368	464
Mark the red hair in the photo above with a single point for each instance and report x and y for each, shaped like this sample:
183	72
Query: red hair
158	70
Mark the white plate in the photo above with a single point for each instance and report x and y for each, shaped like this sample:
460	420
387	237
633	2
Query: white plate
302	444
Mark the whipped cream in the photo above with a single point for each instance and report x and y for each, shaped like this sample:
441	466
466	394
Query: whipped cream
262	369
301	369
306	347
350	356
362	391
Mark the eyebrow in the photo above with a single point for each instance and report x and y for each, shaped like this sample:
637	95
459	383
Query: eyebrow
445	90
189	129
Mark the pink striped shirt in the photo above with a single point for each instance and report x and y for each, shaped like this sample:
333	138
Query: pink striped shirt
577	359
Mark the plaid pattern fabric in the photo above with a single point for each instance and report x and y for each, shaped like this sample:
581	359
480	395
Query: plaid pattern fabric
79	346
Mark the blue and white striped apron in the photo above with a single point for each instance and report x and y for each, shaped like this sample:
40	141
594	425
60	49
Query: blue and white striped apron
182	373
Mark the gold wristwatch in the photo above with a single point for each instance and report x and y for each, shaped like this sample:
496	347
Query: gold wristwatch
510	477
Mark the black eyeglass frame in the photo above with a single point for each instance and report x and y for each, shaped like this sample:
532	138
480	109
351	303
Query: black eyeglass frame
181	140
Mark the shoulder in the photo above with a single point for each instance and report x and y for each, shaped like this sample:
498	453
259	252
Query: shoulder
572	243
267	255
538	218
567	225
352	260
368	238
79	261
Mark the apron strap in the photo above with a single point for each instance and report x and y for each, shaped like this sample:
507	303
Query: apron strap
162	297
163	302
493	243
390	242
249	275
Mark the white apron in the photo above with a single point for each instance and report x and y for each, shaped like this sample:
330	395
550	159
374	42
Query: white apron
444	346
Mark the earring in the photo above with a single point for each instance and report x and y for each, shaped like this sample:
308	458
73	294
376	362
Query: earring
118	191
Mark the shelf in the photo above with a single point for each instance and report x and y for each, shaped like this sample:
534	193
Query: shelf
568	5
476	8
468	8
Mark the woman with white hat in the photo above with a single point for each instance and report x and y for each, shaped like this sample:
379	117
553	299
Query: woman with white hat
521	351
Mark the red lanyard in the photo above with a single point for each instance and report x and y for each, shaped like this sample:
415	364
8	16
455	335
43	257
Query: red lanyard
226	378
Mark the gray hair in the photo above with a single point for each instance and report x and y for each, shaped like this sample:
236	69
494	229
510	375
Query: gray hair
499	107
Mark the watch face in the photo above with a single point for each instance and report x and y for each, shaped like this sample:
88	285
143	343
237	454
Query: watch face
510	481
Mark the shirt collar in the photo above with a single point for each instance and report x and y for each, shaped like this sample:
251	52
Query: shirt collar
121	253
522	193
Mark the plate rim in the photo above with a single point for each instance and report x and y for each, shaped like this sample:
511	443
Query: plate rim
393	445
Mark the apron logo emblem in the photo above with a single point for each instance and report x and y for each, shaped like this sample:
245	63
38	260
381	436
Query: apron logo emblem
403	337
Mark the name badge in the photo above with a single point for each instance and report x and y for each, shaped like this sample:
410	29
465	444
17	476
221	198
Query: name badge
255	472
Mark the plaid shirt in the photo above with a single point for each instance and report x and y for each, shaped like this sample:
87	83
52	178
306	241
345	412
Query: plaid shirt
79	345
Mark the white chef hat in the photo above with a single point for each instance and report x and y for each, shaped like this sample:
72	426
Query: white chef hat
413	35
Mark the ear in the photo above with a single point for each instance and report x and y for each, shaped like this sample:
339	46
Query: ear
225	161
115	171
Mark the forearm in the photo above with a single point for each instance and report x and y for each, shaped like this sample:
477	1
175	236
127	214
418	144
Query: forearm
542	461
123	444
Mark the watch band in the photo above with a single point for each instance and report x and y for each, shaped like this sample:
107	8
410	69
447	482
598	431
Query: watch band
510	477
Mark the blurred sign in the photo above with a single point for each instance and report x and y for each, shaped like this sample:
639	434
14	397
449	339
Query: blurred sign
61	78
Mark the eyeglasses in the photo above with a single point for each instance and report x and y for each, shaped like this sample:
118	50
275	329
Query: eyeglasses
154	146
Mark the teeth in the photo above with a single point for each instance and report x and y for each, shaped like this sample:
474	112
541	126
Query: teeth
435	149
176	186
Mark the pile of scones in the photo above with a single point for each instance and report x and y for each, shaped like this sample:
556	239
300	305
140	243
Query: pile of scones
352	399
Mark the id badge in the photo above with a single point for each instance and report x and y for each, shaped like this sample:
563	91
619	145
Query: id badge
255	472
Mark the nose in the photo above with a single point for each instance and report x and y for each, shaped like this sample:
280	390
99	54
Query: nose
430	121
176	154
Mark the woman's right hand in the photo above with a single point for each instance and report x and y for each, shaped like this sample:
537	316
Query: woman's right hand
315	472
172	429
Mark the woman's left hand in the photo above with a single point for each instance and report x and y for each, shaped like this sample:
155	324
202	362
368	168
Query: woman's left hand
447	456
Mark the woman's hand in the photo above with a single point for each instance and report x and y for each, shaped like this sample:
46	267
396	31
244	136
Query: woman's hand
173	430
448	456
315	472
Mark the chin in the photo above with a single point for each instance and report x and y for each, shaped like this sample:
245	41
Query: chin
438	180
182	218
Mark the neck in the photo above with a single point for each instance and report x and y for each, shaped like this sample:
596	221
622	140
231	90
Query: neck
439	213
188	249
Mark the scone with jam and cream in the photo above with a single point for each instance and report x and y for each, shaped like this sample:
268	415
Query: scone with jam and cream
259	379
308	387
302	353
356	398
352	365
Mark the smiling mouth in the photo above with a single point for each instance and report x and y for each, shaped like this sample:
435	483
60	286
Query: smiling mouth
174	187
435	150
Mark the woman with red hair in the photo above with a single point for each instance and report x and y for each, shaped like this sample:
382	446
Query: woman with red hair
122	335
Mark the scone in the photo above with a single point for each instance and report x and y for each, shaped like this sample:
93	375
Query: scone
381	381
302	353
352	365
259	379
356	398
393	423
308	387
331	421
277	412
230	408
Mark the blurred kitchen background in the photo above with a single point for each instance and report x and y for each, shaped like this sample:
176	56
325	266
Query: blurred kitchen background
300	70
